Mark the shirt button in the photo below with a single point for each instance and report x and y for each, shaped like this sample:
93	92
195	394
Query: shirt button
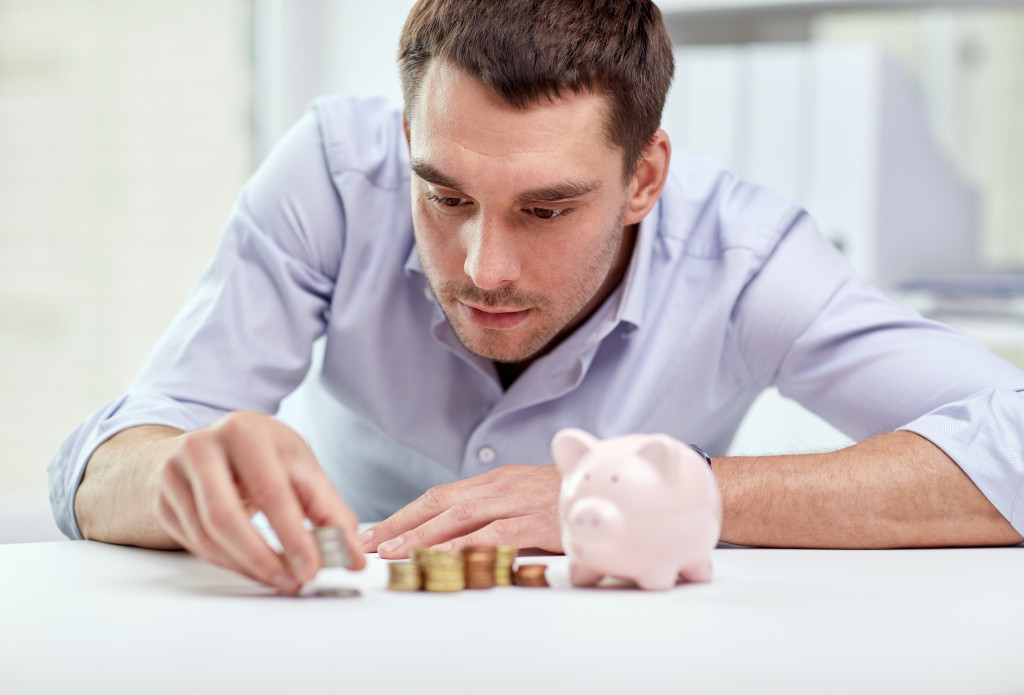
486	454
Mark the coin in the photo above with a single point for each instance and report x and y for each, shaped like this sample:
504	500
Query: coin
335	592
404	576
444	572
531	575
479	562
334	550
504	556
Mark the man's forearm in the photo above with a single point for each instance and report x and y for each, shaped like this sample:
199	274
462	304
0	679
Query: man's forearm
115	501
892	491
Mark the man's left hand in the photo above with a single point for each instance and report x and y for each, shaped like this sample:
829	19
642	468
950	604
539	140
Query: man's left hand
511	505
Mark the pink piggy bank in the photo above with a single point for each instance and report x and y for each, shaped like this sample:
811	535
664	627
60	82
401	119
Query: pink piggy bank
641	507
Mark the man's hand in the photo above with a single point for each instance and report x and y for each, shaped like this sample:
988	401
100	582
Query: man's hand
511	505
215	480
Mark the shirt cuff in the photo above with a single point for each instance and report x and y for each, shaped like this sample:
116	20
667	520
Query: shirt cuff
68	465
984	434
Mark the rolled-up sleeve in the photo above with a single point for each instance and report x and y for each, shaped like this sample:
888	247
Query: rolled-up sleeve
242	341
867	364
984	434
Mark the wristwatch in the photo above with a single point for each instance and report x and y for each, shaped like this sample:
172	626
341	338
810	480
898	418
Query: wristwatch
702	453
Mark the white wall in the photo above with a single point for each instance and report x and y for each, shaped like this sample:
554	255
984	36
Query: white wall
306	48
969	63
124	139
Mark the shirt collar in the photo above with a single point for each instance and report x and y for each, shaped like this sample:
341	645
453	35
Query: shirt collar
634	286
412	261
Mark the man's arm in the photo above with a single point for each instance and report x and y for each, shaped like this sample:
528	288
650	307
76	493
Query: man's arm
116	500
895	490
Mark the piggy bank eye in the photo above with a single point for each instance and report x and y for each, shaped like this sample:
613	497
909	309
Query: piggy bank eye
587	476
615	478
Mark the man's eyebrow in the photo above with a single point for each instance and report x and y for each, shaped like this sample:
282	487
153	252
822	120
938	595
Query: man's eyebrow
429	173
564	190
560	191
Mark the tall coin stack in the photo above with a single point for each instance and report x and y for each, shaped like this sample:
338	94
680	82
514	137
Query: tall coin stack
479	561
419	558
444	572
504	556
404	576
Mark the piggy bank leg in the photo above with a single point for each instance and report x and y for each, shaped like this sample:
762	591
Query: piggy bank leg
583	576
658	580
698	572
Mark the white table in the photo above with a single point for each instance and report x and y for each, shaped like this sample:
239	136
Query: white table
84	617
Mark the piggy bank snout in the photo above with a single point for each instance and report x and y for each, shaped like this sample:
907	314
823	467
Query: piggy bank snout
595	517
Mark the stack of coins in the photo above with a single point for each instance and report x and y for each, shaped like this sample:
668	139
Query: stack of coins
333	548
504	556
419	558
404	576
444	572
479	560
531	575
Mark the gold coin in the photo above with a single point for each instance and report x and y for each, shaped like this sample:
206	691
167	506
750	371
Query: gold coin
404	576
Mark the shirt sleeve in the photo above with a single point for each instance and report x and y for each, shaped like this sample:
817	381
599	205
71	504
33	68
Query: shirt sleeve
243	339
827	338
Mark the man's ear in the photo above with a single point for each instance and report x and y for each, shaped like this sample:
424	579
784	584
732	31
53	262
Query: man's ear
649	179
405	129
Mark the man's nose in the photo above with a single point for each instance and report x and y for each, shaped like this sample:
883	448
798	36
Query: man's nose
491	258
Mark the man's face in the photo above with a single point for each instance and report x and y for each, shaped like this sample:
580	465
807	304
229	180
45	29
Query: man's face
518	214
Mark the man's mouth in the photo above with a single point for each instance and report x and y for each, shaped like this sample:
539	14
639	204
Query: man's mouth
494	318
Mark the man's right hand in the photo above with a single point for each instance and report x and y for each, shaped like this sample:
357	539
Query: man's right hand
209	483
218	477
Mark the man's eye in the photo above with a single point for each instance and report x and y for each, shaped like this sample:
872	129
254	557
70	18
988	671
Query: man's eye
545	213
446	201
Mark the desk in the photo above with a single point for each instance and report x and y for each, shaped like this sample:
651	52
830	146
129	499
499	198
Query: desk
84	617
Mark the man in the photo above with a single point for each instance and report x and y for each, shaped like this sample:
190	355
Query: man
516	253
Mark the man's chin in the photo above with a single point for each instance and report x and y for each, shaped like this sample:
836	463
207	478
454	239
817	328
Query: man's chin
501	348
501	355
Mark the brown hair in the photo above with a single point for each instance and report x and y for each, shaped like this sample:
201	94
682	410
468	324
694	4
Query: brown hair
528	50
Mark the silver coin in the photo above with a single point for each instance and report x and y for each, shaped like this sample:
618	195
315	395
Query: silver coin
334	551
335	592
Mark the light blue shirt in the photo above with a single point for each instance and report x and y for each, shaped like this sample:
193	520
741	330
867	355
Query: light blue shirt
731	289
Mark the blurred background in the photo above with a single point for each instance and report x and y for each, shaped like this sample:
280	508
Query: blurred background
127	128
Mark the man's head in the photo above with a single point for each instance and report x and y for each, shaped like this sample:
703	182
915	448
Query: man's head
519	198
528	51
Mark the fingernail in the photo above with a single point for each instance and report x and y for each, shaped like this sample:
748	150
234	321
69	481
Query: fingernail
365	537
282	581
444	547
391	545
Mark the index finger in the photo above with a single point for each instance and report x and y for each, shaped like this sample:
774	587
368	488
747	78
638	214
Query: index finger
427	506
263	476
221	513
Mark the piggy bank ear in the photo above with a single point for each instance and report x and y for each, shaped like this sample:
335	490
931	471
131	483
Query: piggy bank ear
569	446
661	451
